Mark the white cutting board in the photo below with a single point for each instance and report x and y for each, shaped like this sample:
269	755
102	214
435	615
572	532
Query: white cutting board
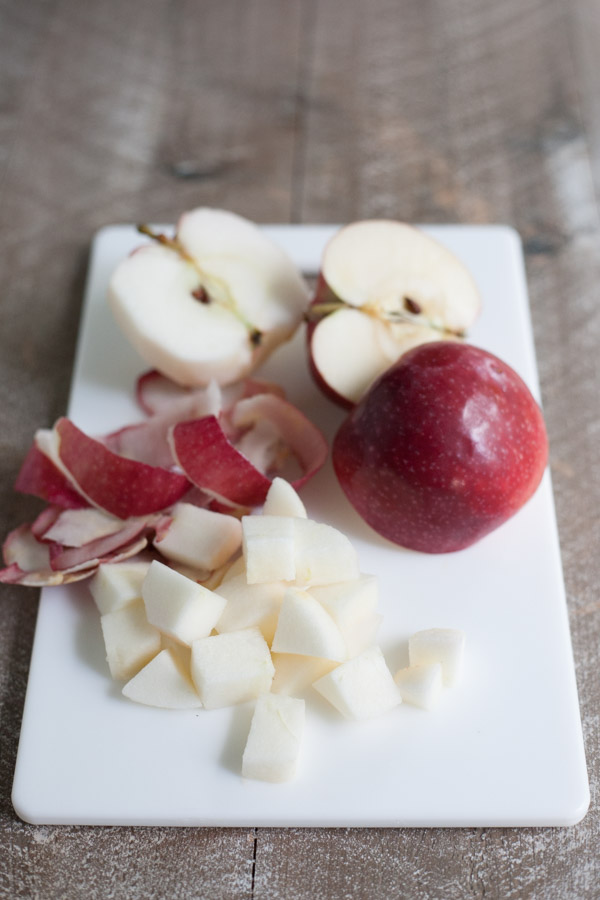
503	748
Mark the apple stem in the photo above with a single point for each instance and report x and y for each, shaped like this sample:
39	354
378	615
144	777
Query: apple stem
410	315
318	310
171	243
201	293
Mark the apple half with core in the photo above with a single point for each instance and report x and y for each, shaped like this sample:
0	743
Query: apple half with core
444	447
210	303
384	287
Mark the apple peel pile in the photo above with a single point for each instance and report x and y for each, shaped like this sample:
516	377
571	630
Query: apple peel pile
292	613
109	497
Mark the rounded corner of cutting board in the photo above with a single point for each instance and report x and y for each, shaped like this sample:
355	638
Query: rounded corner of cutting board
22	804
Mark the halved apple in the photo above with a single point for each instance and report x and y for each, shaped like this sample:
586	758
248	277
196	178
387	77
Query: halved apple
384	287
212	302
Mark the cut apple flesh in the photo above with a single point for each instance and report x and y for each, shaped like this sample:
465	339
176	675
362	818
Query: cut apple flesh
163	682
177	606
362	687
340	336
323	638
130	641
249	605
211	303
384	287
274	741
116	585
305	628
189	340
282	500
382	264
231	668
198	537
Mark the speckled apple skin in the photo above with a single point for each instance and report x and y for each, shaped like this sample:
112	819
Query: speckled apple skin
446	445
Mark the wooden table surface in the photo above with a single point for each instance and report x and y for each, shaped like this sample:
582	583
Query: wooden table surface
304	111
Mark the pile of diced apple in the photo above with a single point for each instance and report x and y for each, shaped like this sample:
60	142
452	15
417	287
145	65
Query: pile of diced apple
292	610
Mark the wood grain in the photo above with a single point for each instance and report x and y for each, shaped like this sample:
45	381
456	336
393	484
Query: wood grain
316	111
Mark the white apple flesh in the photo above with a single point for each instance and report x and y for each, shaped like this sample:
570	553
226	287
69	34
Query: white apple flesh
269	548
130	640
199	537
250	604
116	585
420	685
323	555
178	606
384	288
348	602
294	674
163	682
362	687
231	668
274	740
282	500
305	628
211	303
353	607
445	646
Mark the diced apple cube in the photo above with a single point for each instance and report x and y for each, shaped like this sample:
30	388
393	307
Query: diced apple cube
353	607
361	634
348	601
130	640
362	687
179	606
305	628
117	584
250	604
231	668
274	740
268	547
199	537
282	500
420	685
441	645
323	555
181	652
213	579
163	682
237	567
294	674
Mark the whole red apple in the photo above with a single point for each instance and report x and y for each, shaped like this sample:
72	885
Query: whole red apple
444	447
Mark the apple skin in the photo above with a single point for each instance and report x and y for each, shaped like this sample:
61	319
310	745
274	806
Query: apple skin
445	446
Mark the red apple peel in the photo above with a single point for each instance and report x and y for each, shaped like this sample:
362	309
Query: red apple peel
123	487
